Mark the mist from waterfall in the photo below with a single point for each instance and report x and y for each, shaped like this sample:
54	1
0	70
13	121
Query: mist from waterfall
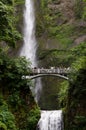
29	47
50	120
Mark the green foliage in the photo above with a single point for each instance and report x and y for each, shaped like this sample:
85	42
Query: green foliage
63	92
17	97
43	19
80	50
84	10
2	126
16	93
12	70
44	3
84	13
7	120
8	32
78	8
9	2
48	19
33	117
18	2
78	66
15	100
72	95
80	63
63	57
3	105
64	35
80	119
75	106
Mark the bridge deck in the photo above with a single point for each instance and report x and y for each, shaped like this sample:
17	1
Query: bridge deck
57	72
50	71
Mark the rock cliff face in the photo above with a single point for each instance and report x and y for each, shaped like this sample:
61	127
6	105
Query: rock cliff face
65	7
60	22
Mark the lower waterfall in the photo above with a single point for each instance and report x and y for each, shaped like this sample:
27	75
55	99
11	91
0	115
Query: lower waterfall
51	120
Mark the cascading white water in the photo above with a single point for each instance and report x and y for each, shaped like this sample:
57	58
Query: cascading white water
29	47
38	89
50	120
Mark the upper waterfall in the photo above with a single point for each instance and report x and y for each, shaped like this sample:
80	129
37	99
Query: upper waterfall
29	47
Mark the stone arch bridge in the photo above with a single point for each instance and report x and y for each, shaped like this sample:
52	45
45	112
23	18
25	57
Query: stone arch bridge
56	72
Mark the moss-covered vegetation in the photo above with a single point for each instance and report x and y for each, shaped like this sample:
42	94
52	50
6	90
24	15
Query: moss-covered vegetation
18	110
7	119
72	95
16	93
80	14
61	21
8	32
63	58
76	104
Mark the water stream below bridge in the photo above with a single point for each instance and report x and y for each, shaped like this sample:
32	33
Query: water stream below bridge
50	120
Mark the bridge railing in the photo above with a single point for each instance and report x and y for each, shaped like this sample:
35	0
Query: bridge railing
51	70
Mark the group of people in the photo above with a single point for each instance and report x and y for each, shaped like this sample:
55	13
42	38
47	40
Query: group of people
51	70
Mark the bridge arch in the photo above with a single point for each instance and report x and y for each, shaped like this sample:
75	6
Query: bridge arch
42	75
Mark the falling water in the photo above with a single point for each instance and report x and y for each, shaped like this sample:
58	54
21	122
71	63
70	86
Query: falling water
30	46
50	120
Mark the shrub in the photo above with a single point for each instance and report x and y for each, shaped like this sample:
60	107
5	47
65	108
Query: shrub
2	126
7	119
33	117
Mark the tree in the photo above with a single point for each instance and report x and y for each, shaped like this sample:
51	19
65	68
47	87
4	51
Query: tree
8	32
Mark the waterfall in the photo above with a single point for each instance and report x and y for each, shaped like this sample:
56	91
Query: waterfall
50	120
30	46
